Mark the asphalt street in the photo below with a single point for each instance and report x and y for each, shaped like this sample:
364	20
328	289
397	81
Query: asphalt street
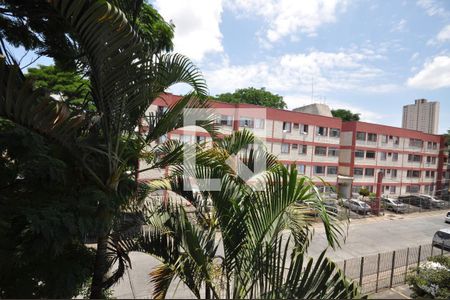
364	237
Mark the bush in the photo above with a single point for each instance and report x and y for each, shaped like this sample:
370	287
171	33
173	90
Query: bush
364	192
431	279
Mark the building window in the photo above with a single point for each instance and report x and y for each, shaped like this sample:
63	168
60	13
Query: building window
392	189
430	145
320	151
287	126
359	153
396	140
162	110
395	156
304	129
185	138
226	120
360	136
435	146
201	139
294	146
358	171
370	154
414	158
259	123
369	172
413	174
416	143
334	132
384	139
433	160
371	137
246	122
332	170
432	174
333	152
321	131
303	149
383	155
394	173
319	169
413	188
284	148
296	126
301	169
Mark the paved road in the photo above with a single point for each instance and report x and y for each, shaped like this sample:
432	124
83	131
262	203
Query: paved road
365	237
383	234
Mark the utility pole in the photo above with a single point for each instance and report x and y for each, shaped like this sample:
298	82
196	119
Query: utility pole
379	191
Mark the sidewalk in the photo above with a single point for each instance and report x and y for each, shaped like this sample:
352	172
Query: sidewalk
399	292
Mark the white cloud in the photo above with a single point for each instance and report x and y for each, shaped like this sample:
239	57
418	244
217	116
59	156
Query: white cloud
288	17
296	73
414	56
433	8
400	26
197	30
441	37
434	74
444	34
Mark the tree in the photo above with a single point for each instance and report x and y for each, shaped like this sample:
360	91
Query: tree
345	115
253	96
364	192
46	210
65	85
124	76
264	229
21	25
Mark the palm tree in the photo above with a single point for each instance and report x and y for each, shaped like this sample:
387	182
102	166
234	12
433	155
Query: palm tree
263	228
125	77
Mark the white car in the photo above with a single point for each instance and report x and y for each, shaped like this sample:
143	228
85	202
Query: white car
447	217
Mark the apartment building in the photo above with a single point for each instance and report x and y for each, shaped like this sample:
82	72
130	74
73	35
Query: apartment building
409	160
422	116
346	155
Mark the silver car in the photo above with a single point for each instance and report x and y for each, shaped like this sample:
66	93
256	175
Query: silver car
394	205
357	206
441	239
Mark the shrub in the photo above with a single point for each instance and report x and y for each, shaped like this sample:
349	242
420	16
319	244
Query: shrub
431	279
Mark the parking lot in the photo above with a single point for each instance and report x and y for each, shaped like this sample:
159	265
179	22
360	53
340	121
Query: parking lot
345	211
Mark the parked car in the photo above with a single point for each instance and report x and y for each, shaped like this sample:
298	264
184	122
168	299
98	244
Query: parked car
441	239
357	206
416	200
331	205
447	217
434	202
393	205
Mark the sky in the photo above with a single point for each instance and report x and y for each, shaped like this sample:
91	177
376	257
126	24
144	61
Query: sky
369	56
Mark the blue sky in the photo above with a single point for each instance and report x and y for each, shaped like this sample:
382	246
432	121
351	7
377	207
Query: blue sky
369	56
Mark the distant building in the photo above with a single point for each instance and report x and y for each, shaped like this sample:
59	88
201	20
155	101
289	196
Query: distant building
315	109
345	155
422	116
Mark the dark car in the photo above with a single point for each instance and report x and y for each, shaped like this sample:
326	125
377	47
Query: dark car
416	201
